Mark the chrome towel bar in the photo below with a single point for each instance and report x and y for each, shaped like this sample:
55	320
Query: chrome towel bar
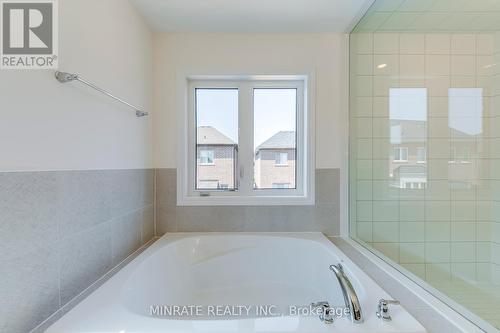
64	77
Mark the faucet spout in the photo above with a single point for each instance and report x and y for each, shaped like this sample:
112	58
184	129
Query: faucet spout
350	297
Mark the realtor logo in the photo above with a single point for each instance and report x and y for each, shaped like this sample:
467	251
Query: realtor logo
29	34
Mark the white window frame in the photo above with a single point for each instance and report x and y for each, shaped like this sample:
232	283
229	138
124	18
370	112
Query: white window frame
303	194
281	185
400	150
213	157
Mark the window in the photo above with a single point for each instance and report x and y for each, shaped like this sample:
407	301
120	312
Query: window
281	159
465	110
216	122
401	154
206	157
414	185
460	153
421	155
236	132
275	137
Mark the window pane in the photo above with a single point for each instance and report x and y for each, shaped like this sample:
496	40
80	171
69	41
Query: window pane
206	156
282	158
421	155
401	154
216	138
404	154
275	117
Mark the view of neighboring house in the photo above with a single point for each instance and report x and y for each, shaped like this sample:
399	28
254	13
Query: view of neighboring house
275	162
408	159
275	158
464	150
216	155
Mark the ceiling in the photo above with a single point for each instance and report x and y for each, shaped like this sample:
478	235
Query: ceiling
252	15
432	16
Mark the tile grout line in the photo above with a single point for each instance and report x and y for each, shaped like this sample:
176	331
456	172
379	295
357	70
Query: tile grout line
92	287
155	196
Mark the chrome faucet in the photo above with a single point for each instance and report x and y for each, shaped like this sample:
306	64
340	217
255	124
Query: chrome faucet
350	297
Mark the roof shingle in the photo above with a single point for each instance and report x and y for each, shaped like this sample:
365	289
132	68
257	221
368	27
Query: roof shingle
207	135
280	140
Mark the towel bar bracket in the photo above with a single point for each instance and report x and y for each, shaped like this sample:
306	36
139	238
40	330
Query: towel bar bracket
64	77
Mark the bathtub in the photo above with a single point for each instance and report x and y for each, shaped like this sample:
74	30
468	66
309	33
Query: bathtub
225	282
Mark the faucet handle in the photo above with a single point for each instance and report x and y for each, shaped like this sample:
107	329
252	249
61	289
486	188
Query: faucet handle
326	314
383	309
320	304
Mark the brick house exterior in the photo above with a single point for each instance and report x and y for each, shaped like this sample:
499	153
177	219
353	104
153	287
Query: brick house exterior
407	157
215	158
408	163
275	162
217	155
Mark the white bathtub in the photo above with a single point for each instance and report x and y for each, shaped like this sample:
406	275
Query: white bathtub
265	272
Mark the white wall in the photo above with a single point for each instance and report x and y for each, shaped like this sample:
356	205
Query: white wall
45	125
253	54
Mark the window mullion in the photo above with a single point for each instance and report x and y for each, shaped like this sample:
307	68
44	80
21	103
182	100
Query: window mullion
245	172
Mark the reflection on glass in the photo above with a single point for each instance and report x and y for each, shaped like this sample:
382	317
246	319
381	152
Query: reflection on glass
275	138
216	138
421	155
440	141
466	110
408	132
465	118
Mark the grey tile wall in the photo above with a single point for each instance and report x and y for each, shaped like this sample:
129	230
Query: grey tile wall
323	217
80	297
61	231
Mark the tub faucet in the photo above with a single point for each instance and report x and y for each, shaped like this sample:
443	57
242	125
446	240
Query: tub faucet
350	297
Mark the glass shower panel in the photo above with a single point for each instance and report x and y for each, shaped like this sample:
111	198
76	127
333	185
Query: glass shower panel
408	133
425	146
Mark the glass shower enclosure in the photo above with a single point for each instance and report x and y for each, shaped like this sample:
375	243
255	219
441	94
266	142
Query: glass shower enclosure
425	146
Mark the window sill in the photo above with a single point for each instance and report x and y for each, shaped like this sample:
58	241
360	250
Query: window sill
460	162
234	200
